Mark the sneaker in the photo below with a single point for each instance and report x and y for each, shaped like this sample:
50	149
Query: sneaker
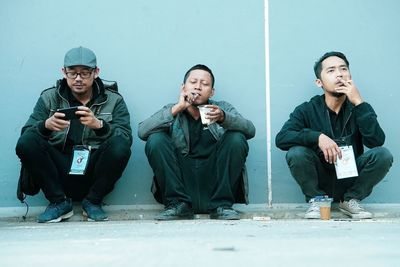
93	212
223	213
353	209
55	212
177	211
313	211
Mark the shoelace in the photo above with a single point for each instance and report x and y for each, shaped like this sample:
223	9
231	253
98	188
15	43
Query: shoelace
314	206
52	206
354	204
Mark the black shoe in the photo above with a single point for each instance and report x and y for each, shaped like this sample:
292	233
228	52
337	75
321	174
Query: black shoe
55	212
223	213
93	212
178	211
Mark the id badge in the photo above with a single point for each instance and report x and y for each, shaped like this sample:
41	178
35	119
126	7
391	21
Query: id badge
346	167
80	160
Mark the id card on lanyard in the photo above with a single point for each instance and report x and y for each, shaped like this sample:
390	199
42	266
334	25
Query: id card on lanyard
346	167
80	160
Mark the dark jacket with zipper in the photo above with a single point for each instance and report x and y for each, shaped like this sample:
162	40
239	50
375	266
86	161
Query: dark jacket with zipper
178	128
310	119
108	106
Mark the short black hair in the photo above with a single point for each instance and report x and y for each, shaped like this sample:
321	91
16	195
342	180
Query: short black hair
200	67
318	64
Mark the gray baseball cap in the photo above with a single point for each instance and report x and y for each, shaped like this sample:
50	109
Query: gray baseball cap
80	56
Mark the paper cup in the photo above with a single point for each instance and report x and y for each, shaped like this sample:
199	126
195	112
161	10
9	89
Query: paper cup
324	204
203	110
325	210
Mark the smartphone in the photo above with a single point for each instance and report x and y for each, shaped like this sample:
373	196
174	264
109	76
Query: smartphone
69	113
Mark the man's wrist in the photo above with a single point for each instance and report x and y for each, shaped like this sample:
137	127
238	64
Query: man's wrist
222	117
358	102
100	124
177	108
43	129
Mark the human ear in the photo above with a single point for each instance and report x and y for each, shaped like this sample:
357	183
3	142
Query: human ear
96	73
63	70
318	83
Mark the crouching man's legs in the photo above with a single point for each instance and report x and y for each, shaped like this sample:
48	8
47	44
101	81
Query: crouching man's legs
306	168
46	165
372	166
163	159
106	165
232	150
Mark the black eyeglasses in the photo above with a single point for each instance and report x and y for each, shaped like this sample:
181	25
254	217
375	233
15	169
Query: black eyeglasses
82	74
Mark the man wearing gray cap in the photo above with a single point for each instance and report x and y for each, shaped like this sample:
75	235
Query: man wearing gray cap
76	143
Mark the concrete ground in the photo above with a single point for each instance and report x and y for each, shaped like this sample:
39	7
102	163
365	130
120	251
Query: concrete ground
275	236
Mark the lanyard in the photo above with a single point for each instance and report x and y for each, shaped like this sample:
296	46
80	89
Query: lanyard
340	138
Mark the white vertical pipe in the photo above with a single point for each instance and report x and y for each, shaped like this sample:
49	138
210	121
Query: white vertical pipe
267	102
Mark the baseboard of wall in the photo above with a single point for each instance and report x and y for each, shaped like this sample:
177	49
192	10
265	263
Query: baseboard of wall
252	211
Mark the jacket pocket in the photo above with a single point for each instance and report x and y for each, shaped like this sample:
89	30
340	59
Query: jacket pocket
107	117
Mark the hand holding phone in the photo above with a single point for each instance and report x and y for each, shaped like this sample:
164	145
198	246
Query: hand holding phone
69	113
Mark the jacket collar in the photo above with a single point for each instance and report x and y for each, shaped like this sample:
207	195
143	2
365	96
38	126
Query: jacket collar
63	88
347	104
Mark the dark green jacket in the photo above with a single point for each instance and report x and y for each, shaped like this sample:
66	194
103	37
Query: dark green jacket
108	106
310	119
178	128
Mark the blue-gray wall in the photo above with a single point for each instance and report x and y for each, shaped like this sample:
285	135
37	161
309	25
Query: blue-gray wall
368	32
148	45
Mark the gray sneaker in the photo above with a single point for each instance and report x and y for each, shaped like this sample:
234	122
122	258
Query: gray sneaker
313	210
353	209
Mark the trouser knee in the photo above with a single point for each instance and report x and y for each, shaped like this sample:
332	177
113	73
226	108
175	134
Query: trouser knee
157	143
235	141
116	148
299	155
29	143
383	157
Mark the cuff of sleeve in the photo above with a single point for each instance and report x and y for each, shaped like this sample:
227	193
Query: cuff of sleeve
103	130
167	114
227	119
42	128
363	107
312	137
